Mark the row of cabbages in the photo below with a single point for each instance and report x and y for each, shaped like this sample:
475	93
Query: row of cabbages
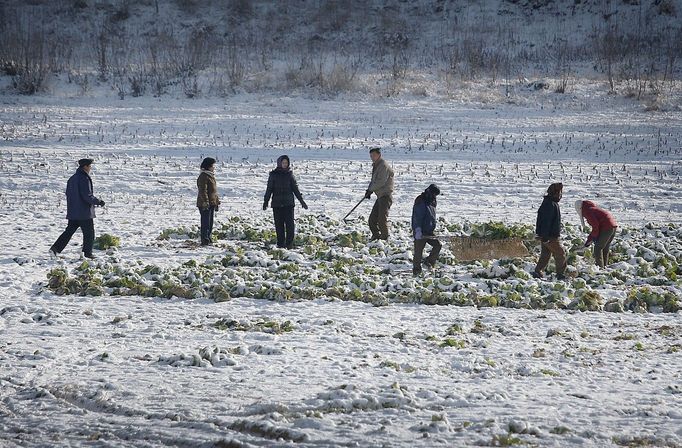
333	260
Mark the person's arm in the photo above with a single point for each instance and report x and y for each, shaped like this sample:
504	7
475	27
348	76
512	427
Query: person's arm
202	185
380	179
418	213
555	229
297	192
268	192
541	224
594	222
85	191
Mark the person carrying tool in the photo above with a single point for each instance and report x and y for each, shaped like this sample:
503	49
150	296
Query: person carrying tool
603	229
423	225
548	231
381	185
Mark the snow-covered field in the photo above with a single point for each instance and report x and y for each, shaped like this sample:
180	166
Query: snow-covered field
348	350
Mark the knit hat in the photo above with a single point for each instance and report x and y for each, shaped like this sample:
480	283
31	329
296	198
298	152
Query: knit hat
579	209
375	149
207	162
84	162
433	189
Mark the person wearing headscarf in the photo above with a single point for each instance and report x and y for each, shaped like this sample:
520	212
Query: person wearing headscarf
423	225
282	187
548	231
207	198
603	229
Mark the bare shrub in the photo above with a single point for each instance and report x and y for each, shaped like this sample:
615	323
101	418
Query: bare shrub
9	67
236	68
138	85
190	86
333	15
32	69
121	11
187	6
240	9
341	77
667	7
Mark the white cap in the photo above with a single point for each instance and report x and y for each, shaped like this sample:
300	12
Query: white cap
579	209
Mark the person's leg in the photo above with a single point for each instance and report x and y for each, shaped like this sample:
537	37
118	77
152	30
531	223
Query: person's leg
607	246
374	220
211	214
289	226
65	237
277	213
417	258
435	251
543	261
382	219
601	247
559	254
204	225
88	229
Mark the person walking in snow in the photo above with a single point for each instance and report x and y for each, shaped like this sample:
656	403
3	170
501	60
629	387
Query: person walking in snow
381	185
423	225
80	210
548	230
282	187
603	229
207	198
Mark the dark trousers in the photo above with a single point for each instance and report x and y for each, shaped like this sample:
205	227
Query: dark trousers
87	226
548	249
206	223
378	218
284	226
419	246
602	246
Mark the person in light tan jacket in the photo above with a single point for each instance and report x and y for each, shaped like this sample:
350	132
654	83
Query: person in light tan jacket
382	186
207	198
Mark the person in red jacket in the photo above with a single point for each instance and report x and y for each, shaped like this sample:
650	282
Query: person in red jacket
603	229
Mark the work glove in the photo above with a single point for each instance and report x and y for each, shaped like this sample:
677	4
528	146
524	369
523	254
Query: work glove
368	194
418	233
101	203
304	205
265	205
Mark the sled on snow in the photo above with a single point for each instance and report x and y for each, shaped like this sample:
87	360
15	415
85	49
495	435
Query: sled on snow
468	248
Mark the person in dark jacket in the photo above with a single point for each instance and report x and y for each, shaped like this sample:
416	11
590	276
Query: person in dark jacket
207	199
548	231
80	210
282	187
603	229
423	225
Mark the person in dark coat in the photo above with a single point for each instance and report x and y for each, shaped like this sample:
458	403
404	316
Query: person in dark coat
207	199
423	225
548	231
282	187
603	229
80	210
